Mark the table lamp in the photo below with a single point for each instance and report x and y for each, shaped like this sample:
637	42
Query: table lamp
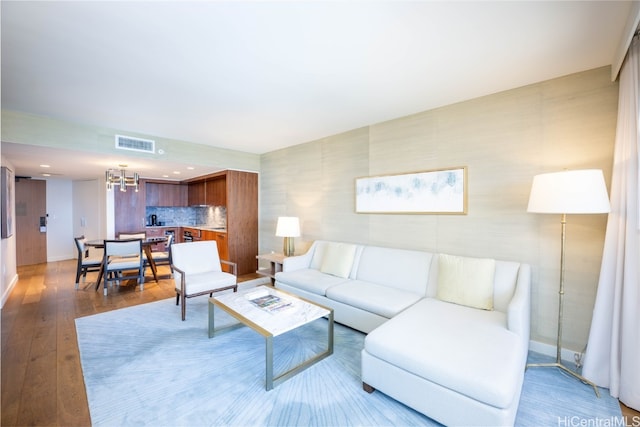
288	227
567	192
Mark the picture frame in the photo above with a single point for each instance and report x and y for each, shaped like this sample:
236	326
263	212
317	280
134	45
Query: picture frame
438	191
8	189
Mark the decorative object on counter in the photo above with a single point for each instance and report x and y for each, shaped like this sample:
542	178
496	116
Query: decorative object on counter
567	192
122	179
288	227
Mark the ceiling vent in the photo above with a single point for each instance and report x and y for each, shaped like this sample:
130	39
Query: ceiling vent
135	144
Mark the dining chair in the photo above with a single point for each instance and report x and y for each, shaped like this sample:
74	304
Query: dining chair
162	257
86	261
136	235
197	270
121	259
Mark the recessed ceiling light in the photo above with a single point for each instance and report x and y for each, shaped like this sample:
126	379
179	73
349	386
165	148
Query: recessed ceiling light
176	172
190	168
46	174
165	176
45	166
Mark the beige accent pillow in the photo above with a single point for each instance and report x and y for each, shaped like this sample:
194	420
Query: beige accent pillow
338	259
466	281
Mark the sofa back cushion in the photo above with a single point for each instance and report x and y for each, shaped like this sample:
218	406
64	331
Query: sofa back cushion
319	247
504	282
398	268
466	281
337	259
335	256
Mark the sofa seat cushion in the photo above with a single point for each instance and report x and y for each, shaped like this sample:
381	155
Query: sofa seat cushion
310	280
382	300
467	350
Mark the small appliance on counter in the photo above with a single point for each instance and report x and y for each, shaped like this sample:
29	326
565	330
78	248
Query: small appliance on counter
153	220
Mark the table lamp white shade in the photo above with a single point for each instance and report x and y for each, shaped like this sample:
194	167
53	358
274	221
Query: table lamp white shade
288	227
569	192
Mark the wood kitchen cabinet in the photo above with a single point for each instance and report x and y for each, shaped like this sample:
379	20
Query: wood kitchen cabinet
210	192
240	195
242	219
166	194
216	191
223	247
196	193
129	207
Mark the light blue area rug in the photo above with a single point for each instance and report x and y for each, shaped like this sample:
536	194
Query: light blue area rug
143	366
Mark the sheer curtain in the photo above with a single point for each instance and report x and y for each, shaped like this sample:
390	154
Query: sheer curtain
612	359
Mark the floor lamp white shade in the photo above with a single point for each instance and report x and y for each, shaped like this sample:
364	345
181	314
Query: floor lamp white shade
567	192
288	227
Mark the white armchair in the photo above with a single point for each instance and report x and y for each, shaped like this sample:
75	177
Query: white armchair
197	270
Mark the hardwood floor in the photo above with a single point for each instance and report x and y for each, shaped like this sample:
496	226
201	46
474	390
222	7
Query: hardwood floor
42	383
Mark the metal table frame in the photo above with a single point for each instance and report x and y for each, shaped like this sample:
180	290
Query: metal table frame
270	380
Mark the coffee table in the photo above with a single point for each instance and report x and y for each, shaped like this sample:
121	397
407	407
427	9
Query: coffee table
285	313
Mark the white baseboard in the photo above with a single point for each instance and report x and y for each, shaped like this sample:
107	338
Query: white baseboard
6	294
567	355
61	258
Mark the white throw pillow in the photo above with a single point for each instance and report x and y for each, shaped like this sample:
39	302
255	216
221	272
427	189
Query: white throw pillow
338	259
466	281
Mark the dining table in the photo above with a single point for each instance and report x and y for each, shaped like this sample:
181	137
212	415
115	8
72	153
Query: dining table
147	244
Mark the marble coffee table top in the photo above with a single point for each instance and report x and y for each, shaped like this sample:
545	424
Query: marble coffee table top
282	312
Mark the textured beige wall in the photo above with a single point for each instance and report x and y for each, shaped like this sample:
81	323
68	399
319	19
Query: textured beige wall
504	140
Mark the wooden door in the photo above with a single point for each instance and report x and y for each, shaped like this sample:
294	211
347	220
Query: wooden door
31	206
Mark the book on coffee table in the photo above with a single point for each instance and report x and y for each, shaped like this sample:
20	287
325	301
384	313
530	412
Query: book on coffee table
267	301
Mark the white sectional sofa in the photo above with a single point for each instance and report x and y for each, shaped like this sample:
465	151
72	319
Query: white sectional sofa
447	335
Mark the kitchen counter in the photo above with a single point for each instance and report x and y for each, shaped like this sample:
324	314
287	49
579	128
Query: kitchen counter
195	227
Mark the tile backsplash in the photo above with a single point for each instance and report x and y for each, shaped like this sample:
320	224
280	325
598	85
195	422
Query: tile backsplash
211	216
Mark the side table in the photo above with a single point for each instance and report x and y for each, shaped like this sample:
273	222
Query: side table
275	265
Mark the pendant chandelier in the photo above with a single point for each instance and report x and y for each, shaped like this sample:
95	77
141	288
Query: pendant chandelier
115	177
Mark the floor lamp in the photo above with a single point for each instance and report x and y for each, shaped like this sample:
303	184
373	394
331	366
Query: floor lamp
567	192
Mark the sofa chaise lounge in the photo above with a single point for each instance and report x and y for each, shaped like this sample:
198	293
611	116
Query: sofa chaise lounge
447	335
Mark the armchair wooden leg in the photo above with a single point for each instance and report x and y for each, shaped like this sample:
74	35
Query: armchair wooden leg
366	387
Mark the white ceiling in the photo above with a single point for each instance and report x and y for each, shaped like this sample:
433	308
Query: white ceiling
259	76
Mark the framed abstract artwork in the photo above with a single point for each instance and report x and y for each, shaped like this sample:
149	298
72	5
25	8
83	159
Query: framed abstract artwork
441	191
7	202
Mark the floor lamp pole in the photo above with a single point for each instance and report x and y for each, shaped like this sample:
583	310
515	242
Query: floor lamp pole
558	362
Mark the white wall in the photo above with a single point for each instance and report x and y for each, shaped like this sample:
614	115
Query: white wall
60	244
89	209
9	276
